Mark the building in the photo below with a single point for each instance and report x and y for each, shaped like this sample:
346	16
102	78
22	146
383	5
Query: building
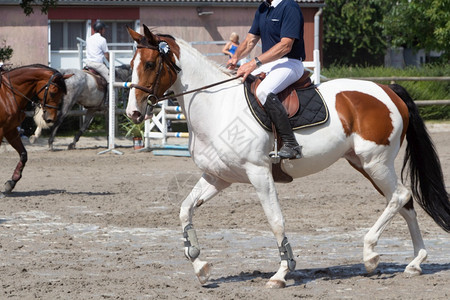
52	39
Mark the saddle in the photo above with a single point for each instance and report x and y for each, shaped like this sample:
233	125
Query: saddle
288	97
304	106
102	84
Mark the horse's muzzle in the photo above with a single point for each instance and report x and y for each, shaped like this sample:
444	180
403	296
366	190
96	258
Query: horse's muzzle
136	117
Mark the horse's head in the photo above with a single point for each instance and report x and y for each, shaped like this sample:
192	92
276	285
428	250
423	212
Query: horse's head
154	71
50	95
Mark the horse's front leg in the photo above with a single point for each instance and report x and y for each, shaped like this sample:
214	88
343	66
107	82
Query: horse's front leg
36	135
15	141
264	184
206	188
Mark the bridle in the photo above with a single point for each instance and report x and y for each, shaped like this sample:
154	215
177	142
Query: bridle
164	50
44	88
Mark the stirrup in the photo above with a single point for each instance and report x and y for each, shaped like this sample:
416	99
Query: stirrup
287	152
274	157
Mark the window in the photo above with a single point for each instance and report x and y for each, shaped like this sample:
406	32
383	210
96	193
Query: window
64	34
116	32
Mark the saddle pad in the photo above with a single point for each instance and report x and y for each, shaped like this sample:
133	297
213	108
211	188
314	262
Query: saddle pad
313	110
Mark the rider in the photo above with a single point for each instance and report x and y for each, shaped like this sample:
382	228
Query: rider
279	25
97	49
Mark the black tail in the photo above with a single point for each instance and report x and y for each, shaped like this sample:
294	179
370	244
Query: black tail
427	181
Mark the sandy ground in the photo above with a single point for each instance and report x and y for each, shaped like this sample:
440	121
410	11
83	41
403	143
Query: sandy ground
80	225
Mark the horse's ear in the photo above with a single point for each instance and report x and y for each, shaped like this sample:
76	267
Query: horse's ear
134	35
67	76
152	39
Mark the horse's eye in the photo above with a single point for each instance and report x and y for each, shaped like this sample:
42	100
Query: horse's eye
149	65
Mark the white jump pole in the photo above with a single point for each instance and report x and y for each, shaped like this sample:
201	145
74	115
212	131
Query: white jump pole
112	105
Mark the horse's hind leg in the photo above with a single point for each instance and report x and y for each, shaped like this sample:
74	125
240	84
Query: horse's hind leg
206	188
87	122
420	254
15	141
382	174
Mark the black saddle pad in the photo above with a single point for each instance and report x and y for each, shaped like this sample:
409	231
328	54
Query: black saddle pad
313	109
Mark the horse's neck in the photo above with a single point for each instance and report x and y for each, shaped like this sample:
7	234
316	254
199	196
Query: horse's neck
25	82
197	70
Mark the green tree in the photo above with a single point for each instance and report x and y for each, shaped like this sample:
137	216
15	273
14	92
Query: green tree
353	32
421	24
5	52
27	5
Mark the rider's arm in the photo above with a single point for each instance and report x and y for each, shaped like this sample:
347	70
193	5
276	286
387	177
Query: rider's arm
244	49
277	51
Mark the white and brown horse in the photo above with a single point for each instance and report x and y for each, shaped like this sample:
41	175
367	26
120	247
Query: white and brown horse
367	125
37	84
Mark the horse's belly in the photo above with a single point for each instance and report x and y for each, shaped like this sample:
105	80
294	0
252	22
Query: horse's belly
322	146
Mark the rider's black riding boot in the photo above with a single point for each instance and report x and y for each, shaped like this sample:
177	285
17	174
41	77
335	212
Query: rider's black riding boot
291	149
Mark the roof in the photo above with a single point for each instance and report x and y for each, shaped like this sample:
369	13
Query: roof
303	3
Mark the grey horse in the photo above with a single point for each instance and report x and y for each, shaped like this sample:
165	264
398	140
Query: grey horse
82	88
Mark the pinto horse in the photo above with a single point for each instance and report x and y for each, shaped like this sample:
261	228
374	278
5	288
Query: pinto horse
367	125
38	84
82	89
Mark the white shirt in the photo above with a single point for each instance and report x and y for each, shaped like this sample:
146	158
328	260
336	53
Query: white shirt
96	48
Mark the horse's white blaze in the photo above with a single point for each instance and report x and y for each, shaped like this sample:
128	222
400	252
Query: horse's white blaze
132	105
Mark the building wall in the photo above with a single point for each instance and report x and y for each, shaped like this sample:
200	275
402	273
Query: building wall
27	36
185	23
24	33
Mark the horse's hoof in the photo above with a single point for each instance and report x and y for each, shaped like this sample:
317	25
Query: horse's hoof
71	146
412	271
32	139
371	262
203	273
2	195
276	284
9	186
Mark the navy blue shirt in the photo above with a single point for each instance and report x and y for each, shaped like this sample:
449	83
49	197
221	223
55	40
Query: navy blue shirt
274	23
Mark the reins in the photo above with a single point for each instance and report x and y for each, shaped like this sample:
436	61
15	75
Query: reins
152	102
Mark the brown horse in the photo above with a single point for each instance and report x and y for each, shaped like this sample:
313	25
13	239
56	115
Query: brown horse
36	84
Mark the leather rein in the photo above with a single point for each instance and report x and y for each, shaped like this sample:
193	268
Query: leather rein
164	49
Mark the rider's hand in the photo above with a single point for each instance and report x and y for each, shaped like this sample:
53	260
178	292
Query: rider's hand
232	63
245	69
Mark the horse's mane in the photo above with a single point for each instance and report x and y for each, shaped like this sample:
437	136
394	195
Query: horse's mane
166	36
58	79
211	63
40	66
